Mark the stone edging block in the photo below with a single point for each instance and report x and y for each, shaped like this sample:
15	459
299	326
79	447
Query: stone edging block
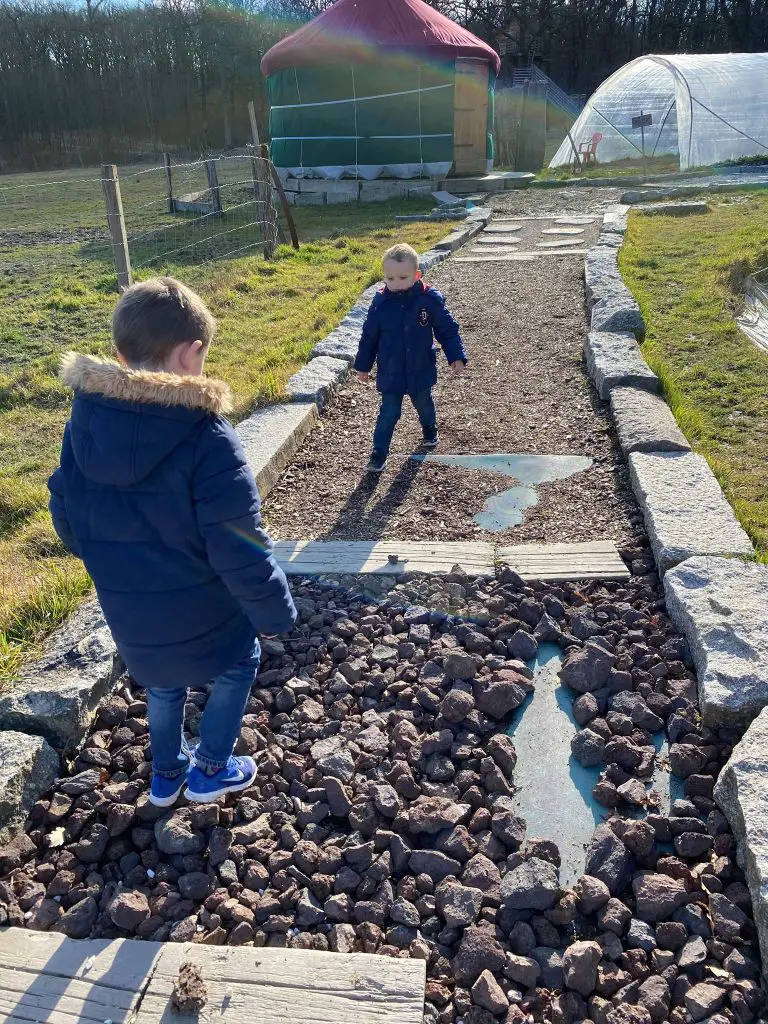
720	606
644	422
741	794
614	360
28	767
272	436
57	695
672	209
316	381
460	236
685	510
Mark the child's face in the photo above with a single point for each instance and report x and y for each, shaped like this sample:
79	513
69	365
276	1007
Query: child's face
399	277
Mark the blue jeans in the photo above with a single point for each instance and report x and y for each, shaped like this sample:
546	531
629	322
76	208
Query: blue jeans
389	414
219	726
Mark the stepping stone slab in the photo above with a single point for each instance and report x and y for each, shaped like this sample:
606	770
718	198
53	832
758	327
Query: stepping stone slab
498	240
58	693
574	221
512	258
272	436
720	606
614	360
557	243
644	422
563	231
685	510
28	767
495	229
317	381
741	794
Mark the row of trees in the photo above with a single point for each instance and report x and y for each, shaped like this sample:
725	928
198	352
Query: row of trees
113	82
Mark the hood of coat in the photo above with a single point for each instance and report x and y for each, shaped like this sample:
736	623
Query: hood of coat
125	422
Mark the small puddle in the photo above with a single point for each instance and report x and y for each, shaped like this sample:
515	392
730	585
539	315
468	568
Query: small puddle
554	792
506	509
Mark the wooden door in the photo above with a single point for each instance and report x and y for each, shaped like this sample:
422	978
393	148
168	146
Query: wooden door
470	118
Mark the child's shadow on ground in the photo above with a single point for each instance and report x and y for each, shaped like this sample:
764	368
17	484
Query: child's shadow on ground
368	522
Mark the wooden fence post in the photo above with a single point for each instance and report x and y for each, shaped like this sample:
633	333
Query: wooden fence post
283	200
254	125
265	212
110	184
213	185
169	178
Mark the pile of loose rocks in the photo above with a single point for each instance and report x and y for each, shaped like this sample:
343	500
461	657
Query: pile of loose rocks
383	817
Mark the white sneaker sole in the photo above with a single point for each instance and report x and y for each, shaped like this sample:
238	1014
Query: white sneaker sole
216	794
166	801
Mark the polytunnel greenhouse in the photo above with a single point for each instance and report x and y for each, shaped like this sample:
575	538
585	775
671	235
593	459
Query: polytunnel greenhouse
703	108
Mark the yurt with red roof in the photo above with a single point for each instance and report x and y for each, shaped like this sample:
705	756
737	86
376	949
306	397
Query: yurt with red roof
374	88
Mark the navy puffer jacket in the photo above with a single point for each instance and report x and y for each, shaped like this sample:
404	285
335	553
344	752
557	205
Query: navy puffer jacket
398	335
156	497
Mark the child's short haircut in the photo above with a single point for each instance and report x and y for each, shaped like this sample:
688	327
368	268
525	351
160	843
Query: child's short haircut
155	316
402	253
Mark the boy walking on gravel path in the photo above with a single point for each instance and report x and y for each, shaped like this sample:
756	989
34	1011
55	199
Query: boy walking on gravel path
155	495
398	335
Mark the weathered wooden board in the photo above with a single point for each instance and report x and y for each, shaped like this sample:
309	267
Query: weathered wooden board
278	986
50	979
309	558
588	560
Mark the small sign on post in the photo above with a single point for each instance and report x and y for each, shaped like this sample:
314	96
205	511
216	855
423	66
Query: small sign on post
642	121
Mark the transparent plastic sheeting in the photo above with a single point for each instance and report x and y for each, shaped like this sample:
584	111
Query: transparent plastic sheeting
705	108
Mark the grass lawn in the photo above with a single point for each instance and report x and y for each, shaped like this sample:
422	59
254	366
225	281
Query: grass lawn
686	273
617	169
57	291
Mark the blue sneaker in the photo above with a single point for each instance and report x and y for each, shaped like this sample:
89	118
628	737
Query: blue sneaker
239	773
165	792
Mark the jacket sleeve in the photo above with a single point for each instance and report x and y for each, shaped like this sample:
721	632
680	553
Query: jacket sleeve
58	506
228	513
447	330
369	341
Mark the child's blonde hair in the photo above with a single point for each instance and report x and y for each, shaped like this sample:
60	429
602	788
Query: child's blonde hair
154	316
402	253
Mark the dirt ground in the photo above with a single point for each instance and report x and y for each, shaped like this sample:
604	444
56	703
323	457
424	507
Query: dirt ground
525	391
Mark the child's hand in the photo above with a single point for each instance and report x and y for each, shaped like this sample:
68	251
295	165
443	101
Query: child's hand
458	367
364	378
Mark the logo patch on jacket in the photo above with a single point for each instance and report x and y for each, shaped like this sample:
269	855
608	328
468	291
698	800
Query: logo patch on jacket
424	317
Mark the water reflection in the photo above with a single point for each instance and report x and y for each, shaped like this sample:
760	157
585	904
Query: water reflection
508	508
554	792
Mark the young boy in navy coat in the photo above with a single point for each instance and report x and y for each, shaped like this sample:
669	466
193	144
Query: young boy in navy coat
398	336
156	497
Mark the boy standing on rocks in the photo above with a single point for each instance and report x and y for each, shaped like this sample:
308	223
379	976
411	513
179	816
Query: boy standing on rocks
156	497
398	335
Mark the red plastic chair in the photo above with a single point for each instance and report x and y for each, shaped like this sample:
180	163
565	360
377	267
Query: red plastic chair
588	150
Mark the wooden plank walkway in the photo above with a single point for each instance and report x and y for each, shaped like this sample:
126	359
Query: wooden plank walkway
51	979
341	557
590	560
587	560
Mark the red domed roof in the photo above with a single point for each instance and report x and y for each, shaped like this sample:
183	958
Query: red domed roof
351	30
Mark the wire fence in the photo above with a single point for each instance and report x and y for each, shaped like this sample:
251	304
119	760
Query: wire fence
172	216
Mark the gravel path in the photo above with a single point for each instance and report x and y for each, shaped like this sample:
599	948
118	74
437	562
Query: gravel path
525	392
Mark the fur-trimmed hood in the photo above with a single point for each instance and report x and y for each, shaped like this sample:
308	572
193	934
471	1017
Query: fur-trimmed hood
126	423
95	376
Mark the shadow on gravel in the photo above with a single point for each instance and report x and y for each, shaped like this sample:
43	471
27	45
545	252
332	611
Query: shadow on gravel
371	519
